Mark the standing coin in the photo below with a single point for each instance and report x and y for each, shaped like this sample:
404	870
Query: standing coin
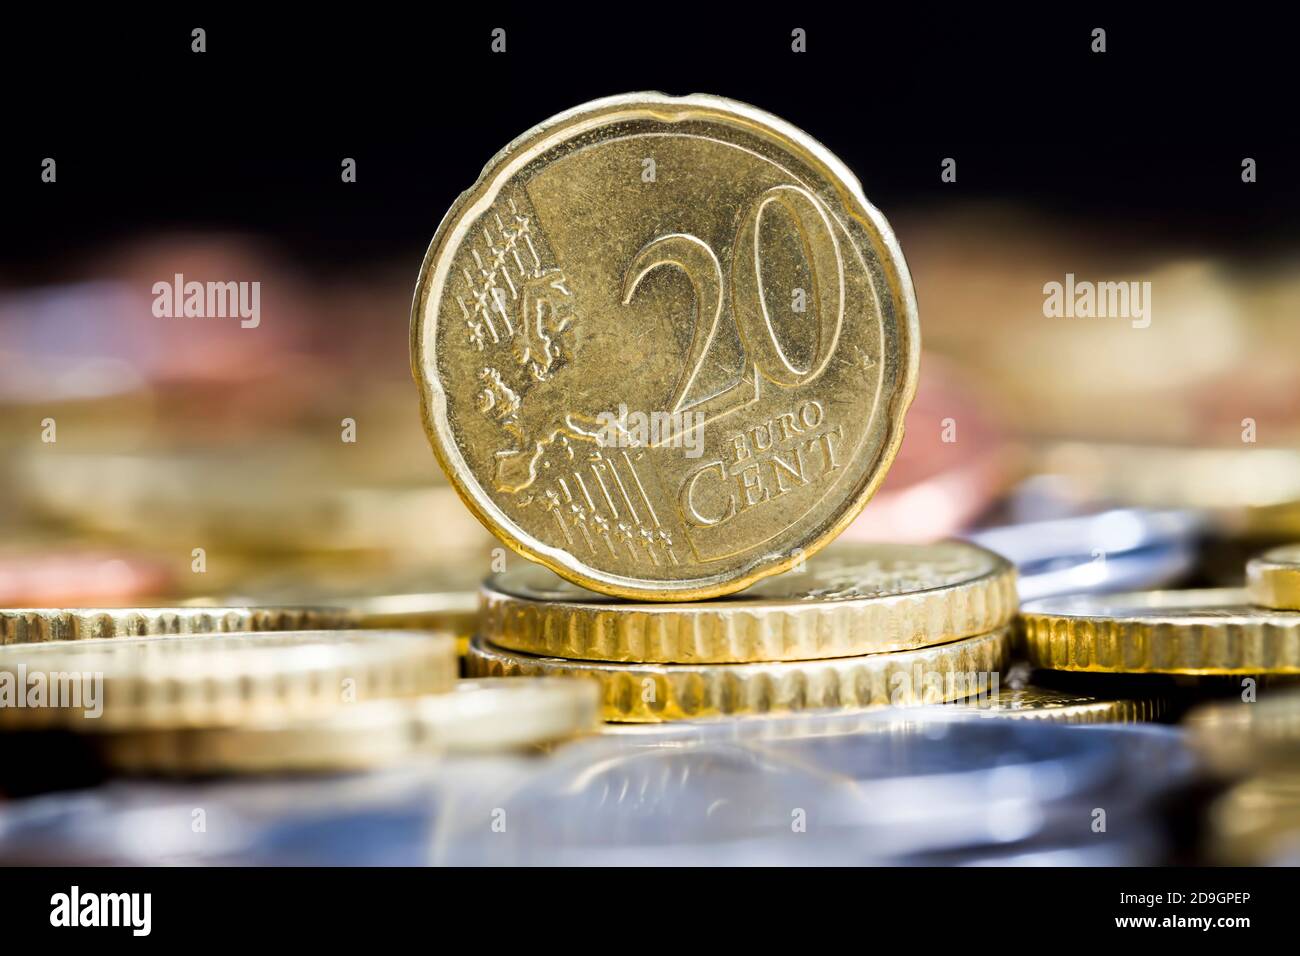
665	346
1273	579
850	599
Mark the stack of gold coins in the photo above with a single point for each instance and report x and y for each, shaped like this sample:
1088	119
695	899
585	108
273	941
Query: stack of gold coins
734	264
665	348
860	626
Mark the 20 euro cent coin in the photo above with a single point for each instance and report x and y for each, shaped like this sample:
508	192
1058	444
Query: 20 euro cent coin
665	345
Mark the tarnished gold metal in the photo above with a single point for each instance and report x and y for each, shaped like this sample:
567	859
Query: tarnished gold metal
665	346
1273	579
640	693
1210	631
850	599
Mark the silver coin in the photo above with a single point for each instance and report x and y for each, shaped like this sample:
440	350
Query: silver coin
1117	550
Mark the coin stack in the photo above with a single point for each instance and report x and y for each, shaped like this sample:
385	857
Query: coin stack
1188	633
240	690
860	626
715	468
680	513
1238	644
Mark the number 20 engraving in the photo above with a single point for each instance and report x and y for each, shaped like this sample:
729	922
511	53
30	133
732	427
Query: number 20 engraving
765	358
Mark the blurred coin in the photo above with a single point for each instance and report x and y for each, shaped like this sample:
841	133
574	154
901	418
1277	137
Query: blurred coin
1246	489
849	599
34	625
474	717
654	692
1117	550
1177	693
1148	567
203	680
1147	849
850	794
1257	822
985	275
1273	579
1212	631
497	714
380	818
1239	736
777	346
1105	574
1114	531
1040	703
256	500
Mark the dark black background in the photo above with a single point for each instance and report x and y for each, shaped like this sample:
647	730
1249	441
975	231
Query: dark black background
250	134
910	909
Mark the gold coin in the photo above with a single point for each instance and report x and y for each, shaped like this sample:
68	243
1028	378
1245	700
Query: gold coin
1040	703
215	679
664	346
31	625
475	717
1273	579
641	693
1210	631
848	600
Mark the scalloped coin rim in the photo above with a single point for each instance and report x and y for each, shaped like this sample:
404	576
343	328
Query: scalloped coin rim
526	147
742	629
1181	627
